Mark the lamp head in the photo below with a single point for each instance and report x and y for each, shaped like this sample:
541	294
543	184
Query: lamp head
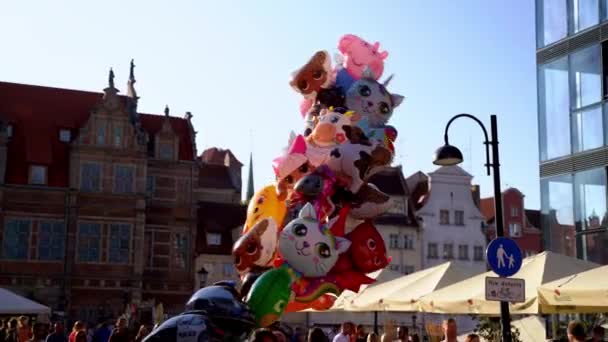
447	155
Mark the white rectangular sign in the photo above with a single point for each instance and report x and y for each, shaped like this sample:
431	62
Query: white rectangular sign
506	290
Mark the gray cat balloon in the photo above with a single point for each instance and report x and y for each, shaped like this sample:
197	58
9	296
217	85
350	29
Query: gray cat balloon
370	99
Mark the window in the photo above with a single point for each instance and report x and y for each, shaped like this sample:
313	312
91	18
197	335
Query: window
478	253
432	251
514	229
123	179
150	185
117	136
51	240
120	243
228	270
15	244
393	241
514	211
448	251
459	218
587	129
444	217
584	14
166	151
214	239
594	247
590	199
37	175
551	21
394	268
557	214
407	269
408	242
90	177
89	241
463	252
585	77
554	109
180	251
9	130
101	133
65	135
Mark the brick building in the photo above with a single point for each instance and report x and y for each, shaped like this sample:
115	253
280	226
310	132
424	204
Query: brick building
221	215
520	224
96	200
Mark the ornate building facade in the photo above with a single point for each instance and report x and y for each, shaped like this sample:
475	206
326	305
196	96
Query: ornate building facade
97	207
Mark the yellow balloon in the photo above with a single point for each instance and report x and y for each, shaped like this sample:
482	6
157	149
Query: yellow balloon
265	204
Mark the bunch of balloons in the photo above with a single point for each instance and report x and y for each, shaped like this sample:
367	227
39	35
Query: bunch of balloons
310	235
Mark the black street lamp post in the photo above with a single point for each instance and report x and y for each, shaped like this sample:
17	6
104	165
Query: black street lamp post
450	155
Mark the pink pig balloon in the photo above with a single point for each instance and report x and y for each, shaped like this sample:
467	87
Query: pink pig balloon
358	54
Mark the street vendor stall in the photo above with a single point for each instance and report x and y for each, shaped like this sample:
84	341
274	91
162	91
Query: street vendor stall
585	292
469	296
13	304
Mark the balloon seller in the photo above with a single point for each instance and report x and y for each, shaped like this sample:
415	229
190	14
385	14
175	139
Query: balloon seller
310	235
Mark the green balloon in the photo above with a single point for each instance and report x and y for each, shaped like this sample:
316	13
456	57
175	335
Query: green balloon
269	296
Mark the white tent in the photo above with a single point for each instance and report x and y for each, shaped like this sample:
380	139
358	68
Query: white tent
13	304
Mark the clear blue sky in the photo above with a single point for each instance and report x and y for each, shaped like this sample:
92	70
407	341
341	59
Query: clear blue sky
229	63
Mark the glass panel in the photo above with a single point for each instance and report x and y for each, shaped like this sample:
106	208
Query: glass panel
123	179
587	129
215	239
166	151
90	177
120	243
38	176
101	132
554	109
16	239
117	136
551	21
590	199
180	251
594	247
586	77
51	240
585	13
557	214
89	239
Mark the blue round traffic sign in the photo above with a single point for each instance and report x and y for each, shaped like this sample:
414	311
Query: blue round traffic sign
504	256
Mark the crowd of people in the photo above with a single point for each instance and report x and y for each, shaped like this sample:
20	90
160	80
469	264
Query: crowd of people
351	333
19	330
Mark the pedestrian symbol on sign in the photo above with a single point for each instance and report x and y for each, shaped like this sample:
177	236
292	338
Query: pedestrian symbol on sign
504	256
501	255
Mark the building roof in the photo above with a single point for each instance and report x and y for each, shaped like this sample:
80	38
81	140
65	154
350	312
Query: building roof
216	155
533	217
39	113
153	123
486	206
214	176
453	170
390	181
219	218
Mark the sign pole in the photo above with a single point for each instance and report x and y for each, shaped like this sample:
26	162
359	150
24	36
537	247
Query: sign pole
505	317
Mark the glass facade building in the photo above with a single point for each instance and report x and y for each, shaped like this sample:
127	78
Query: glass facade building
572	67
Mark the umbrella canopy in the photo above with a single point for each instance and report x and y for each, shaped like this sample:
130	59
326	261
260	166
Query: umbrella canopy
584	292
346	296
13	304
468	296
402	294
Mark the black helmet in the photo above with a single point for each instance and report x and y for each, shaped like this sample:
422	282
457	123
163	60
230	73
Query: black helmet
193	326
221	301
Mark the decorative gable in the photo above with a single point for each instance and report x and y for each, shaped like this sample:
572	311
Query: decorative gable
167	140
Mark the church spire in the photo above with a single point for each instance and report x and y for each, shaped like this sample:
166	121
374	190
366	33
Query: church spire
250	188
